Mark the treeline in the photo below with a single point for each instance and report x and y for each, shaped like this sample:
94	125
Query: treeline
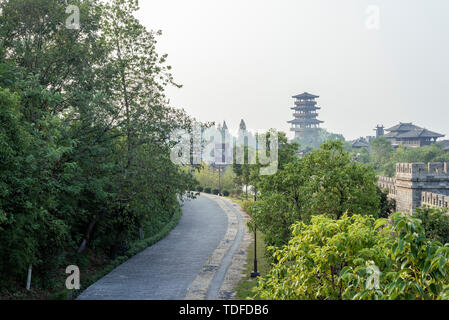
383	157
212	178
84	136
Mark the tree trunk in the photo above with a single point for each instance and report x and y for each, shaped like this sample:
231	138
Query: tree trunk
90	228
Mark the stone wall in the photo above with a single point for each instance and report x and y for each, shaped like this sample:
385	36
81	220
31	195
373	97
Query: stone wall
415	179
387	183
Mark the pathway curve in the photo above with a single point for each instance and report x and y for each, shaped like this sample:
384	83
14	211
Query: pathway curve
209	230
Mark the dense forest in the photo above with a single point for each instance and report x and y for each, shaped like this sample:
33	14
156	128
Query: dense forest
84	137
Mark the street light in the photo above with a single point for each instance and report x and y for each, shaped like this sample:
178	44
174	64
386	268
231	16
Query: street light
255	273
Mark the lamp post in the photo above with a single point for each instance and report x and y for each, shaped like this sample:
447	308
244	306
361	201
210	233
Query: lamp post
219	180
255	273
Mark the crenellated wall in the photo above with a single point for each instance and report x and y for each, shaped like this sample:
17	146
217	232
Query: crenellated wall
435	200
413	180
389	184
436	170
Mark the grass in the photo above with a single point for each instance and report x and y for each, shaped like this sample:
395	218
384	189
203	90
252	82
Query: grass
245	286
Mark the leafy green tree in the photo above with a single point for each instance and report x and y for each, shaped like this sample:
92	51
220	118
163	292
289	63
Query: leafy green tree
242	171
85	135
435	223
381	152
383	157
326	181
387	206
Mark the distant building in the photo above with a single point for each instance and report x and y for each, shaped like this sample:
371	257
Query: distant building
380	132
305	121
360	143
409	135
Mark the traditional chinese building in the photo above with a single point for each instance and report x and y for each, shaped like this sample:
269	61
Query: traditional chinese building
305	115
410	135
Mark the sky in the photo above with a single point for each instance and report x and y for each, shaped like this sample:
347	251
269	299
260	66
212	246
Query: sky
370	61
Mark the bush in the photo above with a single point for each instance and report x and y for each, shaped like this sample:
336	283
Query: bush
216	191
226	193
435	223
200	189
207	190
358	258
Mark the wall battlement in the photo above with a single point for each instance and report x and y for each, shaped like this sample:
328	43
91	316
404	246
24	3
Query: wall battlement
417	184
388	183
435	200
422	170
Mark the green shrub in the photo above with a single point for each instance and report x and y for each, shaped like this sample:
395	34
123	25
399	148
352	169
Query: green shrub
435	223
200	189
226	193
208	190
358	258
215	191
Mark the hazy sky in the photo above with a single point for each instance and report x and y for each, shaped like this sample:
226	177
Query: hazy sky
246	58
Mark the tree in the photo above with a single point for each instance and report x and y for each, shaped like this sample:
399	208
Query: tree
316	137
435	223
242	171
85	145
381	152
387	206
326	181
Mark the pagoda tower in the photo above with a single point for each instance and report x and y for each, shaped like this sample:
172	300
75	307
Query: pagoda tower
305	113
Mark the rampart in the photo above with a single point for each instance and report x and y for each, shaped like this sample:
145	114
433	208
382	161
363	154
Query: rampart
417	184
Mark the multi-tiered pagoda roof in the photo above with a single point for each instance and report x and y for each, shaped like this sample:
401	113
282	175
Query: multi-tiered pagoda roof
305	113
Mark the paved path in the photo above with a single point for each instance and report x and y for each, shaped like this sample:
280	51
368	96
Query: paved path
165	270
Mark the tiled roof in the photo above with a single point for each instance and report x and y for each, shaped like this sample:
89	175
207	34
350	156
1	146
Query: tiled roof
360	143
308	121
403	127
305	95
419	133
409	130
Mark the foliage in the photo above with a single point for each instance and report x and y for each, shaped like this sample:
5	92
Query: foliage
324	181
387	206
316	137
208	190
435	223
383	157
215	191
208	176
84	136
340	259
226	193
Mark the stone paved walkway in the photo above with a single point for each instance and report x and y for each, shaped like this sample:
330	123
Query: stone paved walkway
165	270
